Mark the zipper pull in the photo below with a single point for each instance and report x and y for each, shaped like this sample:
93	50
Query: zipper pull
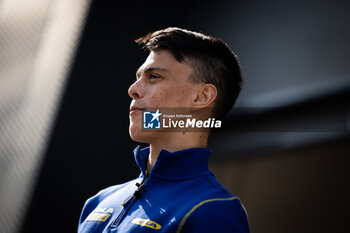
139	190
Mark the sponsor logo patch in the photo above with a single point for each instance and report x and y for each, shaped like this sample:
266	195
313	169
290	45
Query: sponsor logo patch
100	214
146	223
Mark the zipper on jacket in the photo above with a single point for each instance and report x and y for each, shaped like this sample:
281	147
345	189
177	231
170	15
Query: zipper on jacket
129	201
122	212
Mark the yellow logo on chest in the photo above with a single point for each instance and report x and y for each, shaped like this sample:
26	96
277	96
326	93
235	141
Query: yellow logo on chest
146	223
100	214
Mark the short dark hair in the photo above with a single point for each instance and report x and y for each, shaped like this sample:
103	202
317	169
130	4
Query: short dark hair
211	58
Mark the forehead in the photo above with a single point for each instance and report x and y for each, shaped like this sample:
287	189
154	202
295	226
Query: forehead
163	59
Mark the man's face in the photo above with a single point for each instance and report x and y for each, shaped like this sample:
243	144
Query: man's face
161	82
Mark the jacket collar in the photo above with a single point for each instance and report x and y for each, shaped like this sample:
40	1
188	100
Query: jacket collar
177	165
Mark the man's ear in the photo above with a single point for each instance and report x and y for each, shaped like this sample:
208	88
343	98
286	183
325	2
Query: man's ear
206	95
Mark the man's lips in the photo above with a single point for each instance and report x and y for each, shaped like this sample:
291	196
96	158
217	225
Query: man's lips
134	109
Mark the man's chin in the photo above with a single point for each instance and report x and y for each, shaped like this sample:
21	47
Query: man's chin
139	136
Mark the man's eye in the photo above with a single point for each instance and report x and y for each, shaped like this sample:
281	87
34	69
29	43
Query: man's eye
153	76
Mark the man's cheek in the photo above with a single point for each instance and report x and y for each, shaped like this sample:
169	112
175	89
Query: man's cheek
165	98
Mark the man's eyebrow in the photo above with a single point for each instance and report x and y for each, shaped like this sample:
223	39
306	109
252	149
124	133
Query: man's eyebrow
150	69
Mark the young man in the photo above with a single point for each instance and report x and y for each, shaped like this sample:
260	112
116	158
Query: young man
175	191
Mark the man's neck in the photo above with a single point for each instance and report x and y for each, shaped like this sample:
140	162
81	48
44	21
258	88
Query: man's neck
175	142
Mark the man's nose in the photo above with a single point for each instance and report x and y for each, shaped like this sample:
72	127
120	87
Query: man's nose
135	90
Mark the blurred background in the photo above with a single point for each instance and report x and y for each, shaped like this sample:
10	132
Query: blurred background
65	67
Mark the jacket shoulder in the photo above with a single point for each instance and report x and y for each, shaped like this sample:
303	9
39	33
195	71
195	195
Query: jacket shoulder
224	214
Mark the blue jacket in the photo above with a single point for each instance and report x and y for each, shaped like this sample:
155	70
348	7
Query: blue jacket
179	195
